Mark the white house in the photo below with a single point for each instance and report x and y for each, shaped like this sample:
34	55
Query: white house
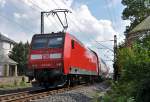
8	67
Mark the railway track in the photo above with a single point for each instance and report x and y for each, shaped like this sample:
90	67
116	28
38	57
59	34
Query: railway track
27	96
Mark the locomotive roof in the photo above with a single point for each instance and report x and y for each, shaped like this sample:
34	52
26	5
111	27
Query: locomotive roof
49	34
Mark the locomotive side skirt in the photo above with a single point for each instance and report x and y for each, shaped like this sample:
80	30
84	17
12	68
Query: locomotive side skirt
77	70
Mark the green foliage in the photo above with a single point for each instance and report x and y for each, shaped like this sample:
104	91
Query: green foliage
135	11
143	92
15	85
135	61
106	99
120	93
23	83
96	97
19	54
134	64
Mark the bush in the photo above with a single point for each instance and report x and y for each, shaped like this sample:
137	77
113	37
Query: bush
143	92
134	66
120	93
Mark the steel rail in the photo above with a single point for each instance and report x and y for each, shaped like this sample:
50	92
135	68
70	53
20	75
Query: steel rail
30	95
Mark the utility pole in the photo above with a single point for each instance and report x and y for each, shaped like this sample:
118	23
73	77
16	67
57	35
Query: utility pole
115	77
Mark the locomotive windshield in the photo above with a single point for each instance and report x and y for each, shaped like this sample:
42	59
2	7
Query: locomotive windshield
47	42
55	42
39	43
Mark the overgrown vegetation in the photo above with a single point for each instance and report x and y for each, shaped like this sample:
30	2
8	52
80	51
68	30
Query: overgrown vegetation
16	84
134	83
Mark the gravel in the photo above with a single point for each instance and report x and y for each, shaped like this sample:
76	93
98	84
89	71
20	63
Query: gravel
84	94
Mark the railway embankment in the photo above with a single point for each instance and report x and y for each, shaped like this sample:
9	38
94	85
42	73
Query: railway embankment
87	93
77	93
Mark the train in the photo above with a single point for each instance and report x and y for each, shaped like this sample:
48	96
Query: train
59	59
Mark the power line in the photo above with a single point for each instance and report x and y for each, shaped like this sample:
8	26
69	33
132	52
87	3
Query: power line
105	41
30	7
37	6
108	60
18	24
109	12
112	15
105	46
74	23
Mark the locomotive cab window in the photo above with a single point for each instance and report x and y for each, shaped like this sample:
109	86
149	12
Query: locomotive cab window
55	42
39	43
72	44
47	42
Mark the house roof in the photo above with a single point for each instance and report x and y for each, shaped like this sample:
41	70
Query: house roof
4	59
143	26
6	39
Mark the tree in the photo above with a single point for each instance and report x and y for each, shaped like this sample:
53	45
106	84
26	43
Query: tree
135	65
134	83
26	45
19	54
135	11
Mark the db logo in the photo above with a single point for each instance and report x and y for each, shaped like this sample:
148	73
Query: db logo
45	56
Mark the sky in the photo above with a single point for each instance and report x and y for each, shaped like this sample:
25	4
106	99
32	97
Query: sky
91	21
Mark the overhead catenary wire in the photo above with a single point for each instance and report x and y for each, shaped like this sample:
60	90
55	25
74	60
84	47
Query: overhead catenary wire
111	40
109	12
73	22
112	15
105	46
35	9
16	23
41	9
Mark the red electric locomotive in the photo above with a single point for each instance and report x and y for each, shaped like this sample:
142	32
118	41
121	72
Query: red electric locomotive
58	58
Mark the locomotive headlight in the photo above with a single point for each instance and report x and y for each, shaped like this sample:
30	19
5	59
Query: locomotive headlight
55	55
34	65
36	56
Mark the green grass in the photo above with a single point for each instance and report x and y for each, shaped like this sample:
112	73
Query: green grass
15	85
